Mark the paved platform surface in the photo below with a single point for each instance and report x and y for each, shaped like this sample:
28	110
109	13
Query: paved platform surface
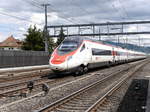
144	73
23	68
148	99
135	97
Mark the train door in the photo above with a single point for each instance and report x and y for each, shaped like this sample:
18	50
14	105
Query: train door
85	54
113	55
89	53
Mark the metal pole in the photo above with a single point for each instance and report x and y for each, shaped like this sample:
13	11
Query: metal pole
122	28
118	39
93	30
139	42
79	30
108	31
126	41
45	28
99	33
67	31
103	24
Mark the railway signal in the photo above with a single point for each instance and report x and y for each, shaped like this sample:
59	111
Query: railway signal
45	88
30	86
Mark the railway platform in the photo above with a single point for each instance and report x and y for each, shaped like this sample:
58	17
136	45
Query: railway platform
148	99
11	69
8	71
137	97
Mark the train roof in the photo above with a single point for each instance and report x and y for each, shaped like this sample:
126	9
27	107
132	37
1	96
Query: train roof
81	38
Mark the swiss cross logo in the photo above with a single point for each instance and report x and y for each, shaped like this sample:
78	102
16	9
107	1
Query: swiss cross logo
114	53
97	58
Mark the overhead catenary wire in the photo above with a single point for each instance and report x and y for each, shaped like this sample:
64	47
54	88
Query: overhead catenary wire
36	2
62	15
20	18
82	9
53	9
39	5
116	9
16	17
124	9
33	3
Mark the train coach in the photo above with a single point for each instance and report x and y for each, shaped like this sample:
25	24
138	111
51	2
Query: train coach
78	54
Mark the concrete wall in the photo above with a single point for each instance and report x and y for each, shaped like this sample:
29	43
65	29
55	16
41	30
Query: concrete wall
22	58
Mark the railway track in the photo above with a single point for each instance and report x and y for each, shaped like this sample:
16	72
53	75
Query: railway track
86	99
16	88
58	86
14	84
112	100
9	77
11	89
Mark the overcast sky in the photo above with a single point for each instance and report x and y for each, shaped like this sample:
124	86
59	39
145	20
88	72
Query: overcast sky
30	12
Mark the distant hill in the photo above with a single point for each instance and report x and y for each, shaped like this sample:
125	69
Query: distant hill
130	46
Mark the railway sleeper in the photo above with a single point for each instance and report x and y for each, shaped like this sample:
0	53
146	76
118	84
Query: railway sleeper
65	110
72	104
84	99
81	99
73	107
104	108
76	102
76	106
82	102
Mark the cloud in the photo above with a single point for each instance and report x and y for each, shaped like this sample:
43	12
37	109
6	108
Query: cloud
52	17
22	29
37	18
69	12
2	37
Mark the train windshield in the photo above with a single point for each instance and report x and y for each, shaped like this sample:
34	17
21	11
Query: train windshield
67	46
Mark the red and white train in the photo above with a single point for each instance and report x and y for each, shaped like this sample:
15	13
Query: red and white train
79	54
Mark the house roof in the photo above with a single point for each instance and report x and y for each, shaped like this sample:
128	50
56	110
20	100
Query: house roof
11	42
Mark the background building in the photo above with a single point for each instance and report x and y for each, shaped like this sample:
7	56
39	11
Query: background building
11	44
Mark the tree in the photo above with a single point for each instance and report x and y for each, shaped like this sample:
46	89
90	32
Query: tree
51	43
34	40
61	37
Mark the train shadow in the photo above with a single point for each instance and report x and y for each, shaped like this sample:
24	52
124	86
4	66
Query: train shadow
62	75
56	75
101	68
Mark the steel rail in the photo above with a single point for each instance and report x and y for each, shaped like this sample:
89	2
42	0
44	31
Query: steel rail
23	76
20	83
112	90
6	93
60	101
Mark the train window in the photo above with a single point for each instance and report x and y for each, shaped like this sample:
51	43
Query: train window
68	46
100	52
83	47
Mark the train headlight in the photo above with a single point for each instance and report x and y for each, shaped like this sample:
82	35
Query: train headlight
52	56
69	58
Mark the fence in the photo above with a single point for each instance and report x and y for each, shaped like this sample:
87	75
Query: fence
22	58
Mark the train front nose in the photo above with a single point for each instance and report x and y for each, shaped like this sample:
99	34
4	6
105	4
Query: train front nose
59	67
58	64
